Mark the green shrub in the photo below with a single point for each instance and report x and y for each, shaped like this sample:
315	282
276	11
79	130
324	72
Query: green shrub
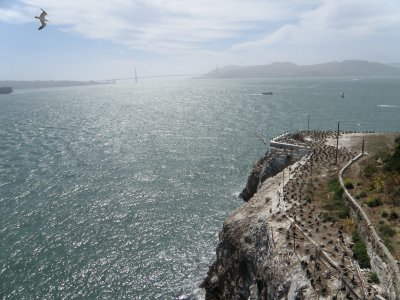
386	233
335	187
397	140
361	194
374	202
355	236
384	214
348	184
374	278
329	216
393	162
394	215
369	170
378	183
388	243
387	230
336	206
360	251
343	212
308	199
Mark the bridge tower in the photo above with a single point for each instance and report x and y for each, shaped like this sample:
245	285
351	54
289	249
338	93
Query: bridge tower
135	76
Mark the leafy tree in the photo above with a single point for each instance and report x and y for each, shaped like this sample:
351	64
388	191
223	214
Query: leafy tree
392	186
393	162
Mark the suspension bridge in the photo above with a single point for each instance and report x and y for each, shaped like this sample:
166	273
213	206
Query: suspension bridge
136	77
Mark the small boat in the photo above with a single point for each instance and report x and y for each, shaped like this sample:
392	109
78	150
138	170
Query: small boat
6	90
342	95
267	93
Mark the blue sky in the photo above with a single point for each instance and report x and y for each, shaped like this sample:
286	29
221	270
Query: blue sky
95	39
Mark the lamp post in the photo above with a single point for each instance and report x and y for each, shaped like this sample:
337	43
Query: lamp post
337	142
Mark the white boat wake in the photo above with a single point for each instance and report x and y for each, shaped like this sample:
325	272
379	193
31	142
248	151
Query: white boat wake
387	105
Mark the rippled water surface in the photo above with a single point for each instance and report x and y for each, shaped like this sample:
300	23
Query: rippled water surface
119	191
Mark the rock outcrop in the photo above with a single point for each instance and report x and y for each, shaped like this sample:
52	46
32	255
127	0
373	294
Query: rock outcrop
6	90
278	245
284	151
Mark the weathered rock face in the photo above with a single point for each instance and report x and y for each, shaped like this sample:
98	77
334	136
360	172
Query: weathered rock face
249	263
253	181
235	271
280	156
238	277
278	245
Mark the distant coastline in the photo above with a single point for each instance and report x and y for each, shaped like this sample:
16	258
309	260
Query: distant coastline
289	69
6	90
45	83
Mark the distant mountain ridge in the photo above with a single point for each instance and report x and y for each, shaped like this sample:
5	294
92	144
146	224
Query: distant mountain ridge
288	69
44	83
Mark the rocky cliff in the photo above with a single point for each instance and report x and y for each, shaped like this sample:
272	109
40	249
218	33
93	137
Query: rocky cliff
280	244
284	151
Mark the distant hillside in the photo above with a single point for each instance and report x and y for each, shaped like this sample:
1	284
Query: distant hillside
288	69
44	83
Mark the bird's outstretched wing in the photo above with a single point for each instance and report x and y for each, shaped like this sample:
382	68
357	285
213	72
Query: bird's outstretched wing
43	14
43	25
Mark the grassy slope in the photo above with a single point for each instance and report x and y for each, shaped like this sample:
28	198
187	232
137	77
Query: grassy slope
376	181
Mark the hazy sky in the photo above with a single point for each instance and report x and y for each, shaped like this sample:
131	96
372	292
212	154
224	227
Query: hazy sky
100	39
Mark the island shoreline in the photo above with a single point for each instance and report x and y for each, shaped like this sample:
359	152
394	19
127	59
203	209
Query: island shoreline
257	256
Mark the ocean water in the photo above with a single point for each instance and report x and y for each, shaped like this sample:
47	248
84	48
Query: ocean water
119	191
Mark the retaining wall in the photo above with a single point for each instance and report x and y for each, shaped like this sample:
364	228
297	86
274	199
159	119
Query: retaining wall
382	260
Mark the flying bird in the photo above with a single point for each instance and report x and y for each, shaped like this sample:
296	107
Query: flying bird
42	19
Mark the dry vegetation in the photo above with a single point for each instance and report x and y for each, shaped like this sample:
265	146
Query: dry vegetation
375	183
314	203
